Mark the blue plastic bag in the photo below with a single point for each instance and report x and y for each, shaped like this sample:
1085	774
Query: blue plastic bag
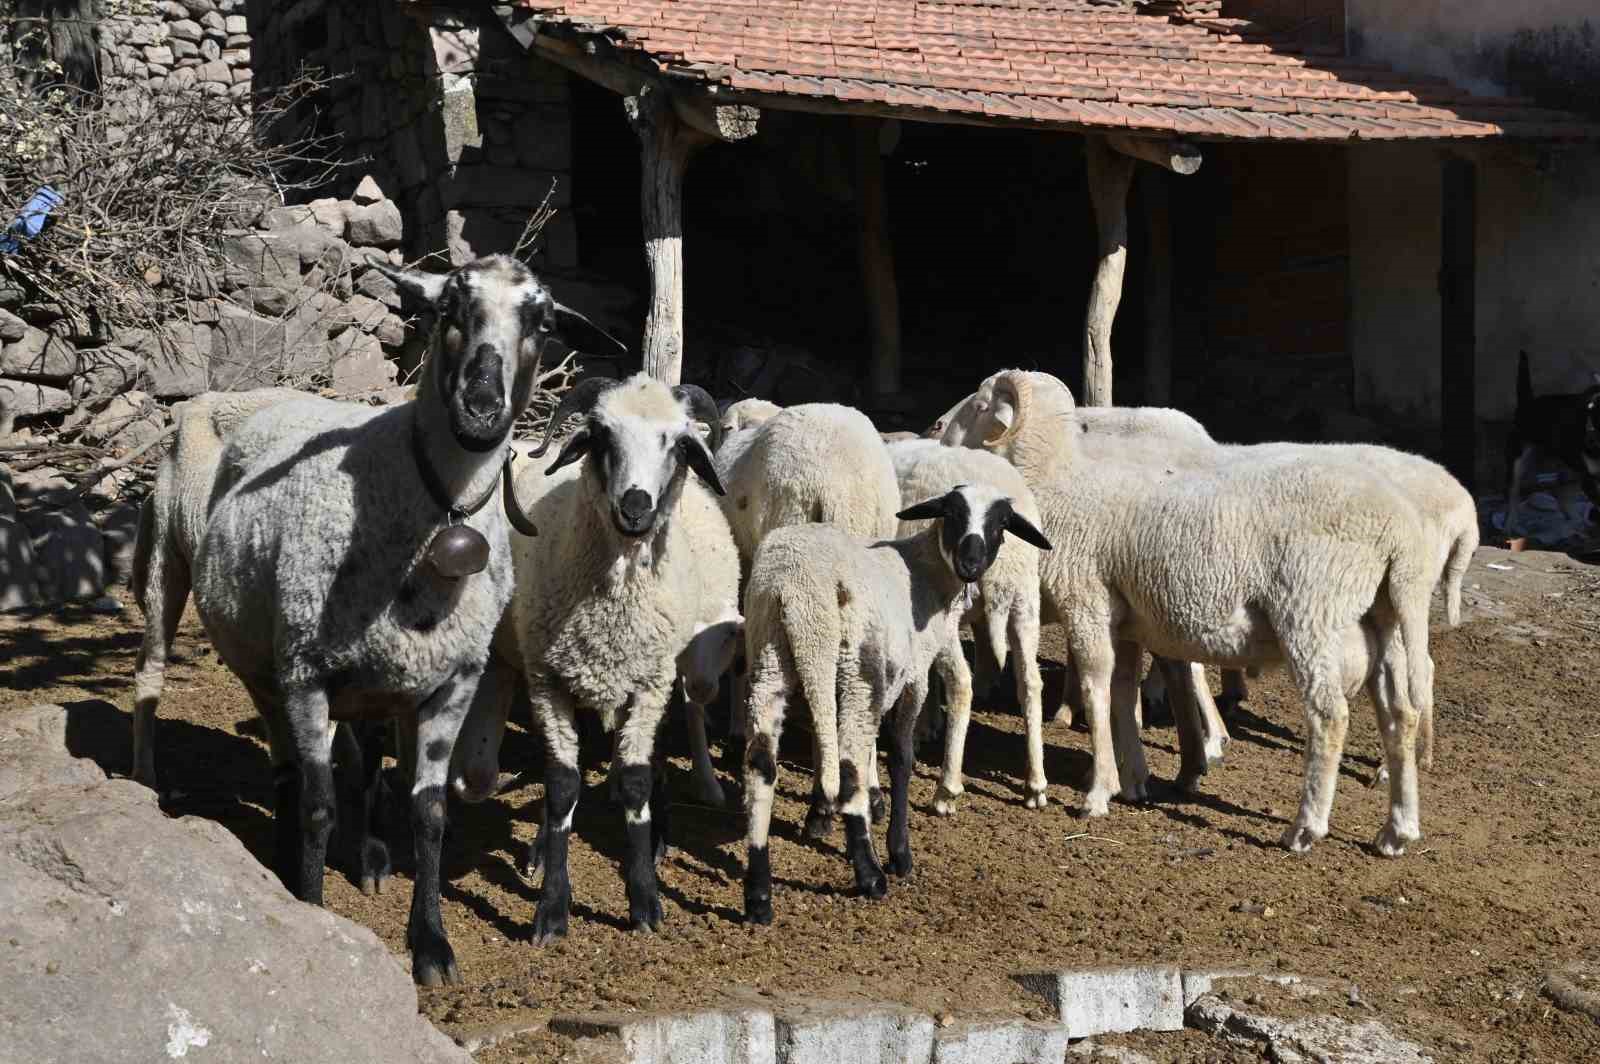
30	222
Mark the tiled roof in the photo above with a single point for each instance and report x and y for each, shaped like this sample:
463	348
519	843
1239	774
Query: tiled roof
1164	65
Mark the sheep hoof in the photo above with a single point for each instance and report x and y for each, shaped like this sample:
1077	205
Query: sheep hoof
372	885
434	964
1228	705
819	824
1063	716
944	800
1299	838
1391	840
1188	782
1036	799
872	884
645	916
1097	804
899	864
758	910
876	806
549	924
1135	794
1380	777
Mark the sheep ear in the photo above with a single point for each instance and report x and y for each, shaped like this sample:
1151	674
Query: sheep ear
416	285
931	510
1023	529
576	448
694	454
581	334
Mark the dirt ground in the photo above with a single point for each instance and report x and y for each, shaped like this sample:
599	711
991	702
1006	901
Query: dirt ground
1448	944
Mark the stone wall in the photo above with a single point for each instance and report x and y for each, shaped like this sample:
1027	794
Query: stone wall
461	129
172	44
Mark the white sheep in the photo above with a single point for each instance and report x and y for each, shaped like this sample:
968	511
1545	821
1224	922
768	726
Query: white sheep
746	413
854	626
634	561
1005	616
356	562
1250	562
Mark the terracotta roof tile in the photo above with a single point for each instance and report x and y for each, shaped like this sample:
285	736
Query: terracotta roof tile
1076	64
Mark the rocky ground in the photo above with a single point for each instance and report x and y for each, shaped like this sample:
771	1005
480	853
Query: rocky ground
1449	946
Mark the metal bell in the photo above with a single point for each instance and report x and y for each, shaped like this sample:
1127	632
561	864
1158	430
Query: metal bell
458	551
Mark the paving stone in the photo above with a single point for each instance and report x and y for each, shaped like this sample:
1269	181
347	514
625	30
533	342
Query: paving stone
731	1036
1305	1040
1000	1042
1093	1001
836	1033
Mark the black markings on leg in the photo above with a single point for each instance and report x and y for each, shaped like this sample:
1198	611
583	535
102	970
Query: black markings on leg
819	818
317	811
899	800
759	758
858	847
875	804
639	870
758	885
438	750
555	899
286	812
433	962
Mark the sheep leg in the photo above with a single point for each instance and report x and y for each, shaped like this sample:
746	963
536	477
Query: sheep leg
986	668
1193	762
957	680
637	784
1155	694
877	807
1320	678
557	717
819	815
1096	659
707	787
1235	692
1134	772
1071	694
361	813
856	744
765	720
311	736
901	761
739	689
1213	730
1397	726
439	720
165	590
1425	726
660	811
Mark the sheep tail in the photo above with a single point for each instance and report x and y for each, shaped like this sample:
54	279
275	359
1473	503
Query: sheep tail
1455	569
1411	595
1524	382
143	544
816	663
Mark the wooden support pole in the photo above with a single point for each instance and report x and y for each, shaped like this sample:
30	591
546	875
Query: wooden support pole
1458	360
1178	156
1110	173
1157	287
877	261
665	144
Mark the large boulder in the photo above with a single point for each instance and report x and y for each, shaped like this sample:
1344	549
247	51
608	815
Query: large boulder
251	351
130	936
21	399
176	364
38	356
18	589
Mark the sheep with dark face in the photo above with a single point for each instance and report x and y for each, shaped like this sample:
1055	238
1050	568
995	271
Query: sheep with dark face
356	562
854	626
633	565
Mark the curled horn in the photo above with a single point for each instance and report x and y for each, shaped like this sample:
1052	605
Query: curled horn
702	408
580	399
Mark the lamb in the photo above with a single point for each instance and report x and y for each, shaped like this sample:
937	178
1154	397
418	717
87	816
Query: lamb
171	523
1006	617
854	628
352	565
1257	559
633	559
746	413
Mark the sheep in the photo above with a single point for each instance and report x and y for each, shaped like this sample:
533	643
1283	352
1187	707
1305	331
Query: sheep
1295	552
854	627
746	413
353	567
816	462
1007	614
172	520
633	560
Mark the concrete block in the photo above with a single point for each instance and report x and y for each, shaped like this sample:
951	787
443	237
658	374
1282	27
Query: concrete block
1093	1001
836	1033
731	1036
1000	1042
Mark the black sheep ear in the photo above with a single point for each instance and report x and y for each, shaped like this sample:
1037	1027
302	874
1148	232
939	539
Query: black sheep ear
694	454
424	289
931	510
581	334
1023	529
578	446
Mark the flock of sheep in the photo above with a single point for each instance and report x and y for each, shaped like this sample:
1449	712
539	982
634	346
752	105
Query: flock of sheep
356	566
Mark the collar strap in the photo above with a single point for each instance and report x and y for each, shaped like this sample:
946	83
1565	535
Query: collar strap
430	480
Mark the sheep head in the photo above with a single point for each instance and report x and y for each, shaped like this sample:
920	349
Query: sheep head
973	519
640	437
492	318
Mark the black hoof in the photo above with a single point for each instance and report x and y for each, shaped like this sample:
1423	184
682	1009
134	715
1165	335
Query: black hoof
433	963
899	864
818	825
550	923
872	885
758	910
876	806
646	915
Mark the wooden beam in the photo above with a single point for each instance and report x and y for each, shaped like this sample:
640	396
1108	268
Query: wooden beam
1110	173
1458	355
665	144
877	261
728	122
1178	156
1157	287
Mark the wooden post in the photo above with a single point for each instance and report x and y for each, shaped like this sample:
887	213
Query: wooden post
665	144
1110	172
1458	316
877	261
1157	287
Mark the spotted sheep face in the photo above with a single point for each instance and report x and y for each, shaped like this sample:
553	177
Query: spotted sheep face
492	320
640	437
973	520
